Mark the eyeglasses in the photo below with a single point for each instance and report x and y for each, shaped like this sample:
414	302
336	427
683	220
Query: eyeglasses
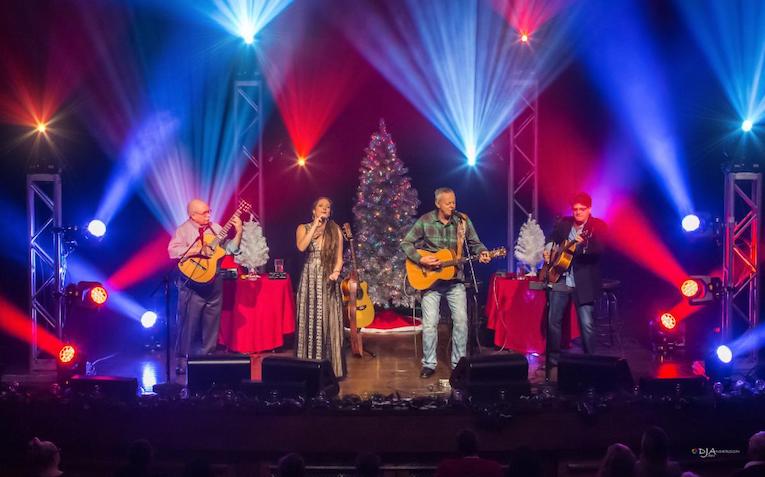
204	212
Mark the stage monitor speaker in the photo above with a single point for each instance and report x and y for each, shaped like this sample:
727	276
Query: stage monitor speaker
113	387
686	386
494	377
217	371
490	368
314	376
578	373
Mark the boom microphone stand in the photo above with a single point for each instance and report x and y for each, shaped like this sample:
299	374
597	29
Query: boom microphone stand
168	388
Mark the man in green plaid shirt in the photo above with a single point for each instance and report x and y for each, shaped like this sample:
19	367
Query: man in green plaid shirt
434	231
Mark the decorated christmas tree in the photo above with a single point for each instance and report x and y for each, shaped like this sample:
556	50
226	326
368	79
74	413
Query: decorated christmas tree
386	206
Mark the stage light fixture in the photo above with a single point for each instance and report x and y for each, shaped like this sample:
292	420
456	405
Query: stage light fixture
96	228
524	38
148	319
707	289
719	364
97	295
41	127
691	223
668	321
667	335
301	161
724	354
67	354
690	288
747	125
92	294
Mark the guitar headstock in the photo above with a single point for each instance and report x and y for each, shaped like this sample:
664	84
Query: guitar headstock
244	207
347	234
498	252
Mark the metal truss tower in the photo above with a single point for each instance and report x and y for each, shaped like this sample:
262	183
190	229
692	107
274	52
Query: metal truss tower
522	171
46	267
741	260
248	144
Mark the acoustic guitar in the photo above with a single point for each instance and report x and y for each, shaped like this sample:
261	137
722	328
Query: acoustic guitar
422	277
359	311
561	256
202	269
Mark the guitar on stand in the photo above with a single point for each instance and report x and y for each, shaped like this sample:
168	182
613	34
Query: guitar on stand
202	267
359	311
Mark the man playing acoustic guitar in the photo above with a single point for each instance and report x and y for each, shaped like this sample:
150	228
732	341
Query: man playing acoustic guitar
582	278
199	304
443	228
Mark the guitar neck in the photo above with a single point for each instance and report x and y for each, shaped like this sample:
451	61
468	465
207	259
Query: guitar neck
354	269
225	229
457	261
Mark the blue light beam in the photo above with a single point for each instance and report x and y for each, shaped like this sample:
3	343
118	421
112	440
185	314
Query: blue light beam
731	35
458	62
637	92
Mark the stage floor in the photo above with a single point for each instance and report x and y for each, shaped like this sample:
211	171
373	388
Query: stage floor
396	367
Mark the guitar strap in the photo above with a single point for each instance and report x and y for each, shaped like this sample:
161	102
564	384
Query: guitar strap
460	236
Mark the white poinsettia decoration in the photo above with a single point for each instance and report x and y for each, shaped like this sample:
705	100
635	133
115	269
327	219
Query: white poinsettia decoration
530	244
253	247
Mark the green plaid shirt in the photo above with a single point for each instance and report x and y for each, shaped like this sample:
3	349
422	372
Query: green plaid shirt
429	233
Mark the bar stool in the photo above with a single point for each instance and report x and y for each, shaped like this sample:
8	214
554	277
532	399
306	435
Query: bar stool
608	312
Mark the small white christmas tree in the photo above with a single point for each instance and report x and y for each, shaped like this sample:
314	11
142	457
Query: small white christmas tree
530	244
253	248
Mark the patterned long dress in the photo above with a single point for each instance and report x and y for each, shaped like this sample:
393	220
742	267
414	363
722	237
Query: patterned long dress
320	313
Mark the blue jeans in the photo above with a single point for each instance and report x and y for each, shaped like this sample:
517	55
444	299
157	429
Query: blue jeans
558	303
431	303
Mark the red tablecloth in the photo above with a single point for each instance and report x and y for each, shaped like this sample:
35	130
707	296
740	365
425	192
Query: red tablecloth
256	314
516	314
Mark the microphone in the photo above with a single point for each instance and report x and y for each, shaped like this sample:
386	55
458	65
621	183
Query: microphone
323	219
459	215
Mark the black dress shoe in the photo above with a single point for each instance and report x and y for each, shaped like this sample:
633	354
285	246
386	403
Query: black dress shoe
427	372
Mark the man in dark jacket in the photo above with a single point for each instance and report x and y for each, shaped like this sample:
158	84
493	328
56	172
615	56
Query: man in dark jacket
582	280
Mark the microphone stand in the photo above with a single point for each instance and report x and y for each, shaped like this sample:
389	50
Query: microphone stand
472	318
168	388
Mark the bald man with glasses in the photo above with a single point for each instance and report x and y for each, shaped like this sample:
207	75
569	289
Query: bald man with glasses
199	304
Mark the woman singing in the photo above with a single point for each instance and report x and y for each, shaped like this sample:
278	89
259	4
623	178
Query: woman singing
320	313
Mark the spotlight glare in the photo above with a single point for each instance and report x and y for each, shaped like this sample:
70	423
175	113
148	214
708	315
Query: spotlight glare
746	126
301	161
67	354
471	156
691	223
41	127
524	38
148	319
668	321
97	228
690	288
247	32
724	354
